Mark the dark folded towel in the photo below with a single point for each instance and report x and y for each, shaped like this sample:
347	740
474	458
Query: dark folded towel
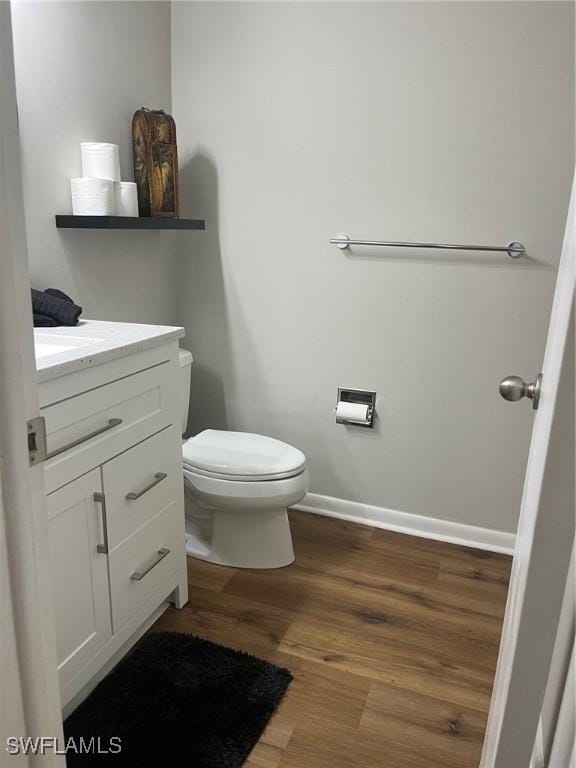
43	321
59	294
62	310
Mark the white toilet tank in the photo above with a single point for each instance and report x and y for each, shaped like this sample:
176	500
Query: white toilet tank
185	359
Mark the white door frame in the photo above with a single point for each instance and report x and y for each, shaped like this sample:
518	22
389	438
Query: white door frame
24	522
519	688
560	701
564	741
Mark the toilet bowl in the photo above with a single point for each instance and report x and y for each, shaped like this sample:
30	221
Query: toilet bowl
237	488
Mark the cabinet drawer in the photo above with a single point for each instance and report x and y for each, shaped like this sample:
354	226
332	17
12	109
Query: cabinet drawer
88	429
143	562
141	482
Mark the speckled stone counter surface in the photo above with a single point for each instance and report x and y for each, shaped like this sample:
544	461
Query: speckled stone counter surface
63	350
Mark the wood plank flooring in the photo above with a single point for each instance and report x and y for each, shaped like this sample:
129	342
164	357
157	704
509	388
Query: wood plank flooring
392	641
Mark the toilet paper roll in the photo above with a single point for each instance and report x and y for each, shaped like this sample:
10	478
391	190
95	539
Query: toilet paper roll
126	197
354	412
100	160
92	197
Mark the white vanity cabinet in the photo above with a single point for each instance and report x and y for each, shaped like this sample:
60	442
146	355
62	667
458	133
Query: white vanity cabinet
114	486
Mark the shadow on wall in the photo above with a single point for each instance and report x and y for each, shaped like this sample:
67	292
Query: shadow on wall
201	298
207	305
116	275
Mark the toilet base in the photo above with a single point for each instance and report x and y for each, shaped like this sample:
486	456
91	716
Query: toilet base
244	538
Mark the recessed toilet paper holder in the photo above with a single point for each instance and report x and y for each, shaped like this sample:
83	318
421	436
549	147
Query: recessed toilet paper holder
360	397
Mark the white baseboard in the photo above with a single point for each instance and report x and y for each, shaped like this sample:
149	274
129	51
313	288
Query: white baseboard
406	522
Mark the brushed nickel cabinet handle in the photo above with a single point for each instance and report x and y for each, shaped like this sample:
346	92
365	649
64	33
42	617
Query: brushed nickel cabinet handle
100	498
158	477
139	575
111	424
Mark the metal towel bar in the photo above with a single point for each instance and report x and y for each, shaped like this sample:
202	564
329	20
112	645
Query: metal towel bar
514	249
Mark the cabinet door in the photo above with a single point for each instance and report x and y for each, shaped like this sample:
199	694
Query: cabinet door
79	573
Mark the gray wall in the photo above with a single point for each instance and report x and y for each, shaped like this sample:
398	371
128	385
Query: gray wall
439	121
424	121
82	70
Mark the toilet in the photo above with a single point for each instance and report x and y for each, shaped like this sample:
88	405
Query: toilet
237	488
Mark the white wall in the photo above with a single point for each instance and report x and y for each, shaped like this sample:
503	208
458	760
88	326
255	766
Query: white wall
424	121
82	70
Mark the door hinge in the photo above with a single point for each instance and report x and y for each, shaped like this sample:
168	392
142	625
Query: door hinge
36	440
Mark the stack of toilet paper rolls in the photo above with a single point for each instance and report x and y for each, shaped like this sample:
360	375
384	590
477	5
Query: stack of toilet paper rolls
100	192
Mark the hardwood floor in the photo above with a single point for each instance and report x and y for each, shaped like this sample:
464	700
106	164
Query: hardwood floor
392	641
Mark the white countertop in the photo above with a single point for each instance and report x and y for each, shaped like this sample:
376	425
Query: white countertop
67	349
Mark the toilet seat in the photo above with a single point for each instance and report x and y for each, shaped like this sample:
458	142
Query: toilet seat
240	494
241	457
241	478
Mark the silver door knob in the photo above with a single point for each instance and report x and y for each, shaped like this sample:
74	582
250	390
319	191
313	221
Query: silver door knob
515	388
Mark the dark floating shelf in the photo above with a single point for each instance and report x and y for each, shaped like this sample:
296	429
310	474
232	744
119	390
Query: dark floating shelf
65	221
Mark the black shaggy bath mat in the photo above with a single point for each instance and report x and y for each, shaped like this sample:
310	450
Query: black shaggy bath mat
176	701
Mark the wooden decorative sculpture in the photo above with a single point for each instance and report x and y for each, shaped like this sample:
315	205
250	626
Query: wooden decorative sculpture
155	163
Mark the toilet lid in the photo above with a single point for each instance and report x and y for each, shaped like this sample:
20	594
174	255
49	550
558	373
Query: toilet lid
242	455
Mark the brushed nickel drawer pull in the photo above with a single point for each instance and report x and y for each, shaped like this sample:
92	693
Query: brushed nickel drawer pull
111	424
100	498
138	575
158	477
